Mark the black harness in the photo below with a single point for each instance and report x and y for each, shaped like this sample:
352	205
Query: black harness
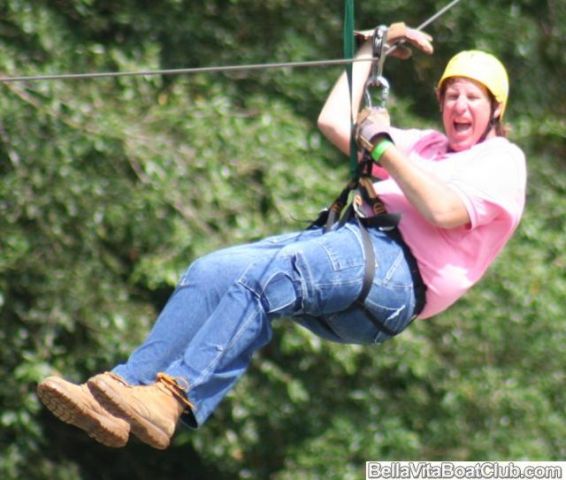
345	209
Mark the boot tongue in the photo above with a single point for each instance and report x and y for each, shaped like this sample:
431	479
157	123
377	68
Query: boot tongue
173	387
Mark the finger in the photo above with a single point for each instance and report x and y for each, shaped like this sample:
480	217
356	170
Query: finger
421	40
396	31
401	51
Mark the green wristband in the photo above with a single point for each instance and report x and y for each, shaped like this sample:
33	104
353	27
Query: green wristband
380	149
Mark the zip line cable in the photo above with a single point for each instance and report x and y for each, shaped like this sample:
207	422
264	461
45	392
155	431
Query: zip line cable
213	69
438	14
181	71
428	21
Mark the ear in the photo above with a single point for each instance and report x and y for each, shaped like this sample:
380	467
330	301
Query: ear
496	111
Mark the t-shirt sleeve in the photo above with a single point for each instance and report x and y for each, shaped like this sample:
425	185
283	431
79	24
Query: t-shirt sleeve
493	184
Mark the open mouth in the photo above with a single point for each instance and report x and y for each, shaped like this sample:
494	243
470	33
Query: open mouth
462	127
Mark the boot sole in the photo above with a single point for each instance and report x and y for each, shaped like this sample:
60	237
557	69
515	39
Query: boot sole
142	428
58	402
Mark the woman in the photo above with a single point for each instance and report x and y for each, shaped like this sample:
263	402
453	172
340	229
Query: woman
460	196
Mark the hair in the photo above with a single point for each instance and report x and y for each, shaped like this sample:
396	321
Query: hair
501	128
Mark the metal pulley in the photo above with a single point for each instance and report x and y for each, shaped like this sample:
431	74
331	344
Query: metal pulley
376	80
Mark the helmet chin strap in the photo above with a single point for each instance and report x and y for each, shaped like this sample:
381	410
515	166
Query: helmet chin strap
490	125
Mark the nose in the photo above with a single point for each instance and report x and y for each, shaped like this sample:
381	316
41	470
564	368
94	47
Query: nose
461	103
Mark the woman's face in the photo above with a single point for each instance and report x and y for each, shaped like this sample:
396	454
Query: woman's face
466	112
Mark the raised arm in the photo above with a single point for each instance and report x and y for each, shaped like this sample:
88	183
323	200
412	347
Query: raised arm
335	117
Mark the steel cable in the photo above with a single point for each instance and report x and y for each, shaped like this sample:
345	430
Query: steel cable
211	69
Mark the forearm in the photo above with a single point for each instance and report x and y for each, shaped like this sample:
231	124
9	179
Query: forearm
437	202
335	117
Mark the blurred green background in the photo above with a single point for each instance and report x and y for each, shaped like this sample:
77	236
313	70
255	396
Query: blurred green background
109	188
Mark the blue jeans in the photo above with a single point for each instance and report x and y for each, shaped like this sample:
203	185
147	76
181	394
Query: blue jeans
222	309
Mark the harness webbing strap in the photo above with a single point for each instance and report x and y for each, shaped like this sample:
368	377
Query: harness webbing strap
369	271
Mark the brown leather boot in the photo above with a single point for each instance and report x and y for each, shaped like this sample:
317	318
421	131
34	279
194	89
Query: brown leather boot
151	410
74	404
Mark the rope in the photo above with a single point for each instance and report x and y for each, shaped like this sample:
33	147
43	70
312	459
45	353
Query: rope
212	69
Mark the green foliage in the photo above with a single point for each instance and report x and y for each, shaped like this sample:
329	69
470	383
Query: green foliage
110	187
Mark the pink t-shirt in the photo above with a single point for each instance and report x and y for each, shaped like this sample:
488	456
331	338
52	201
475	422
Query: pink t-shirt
490	178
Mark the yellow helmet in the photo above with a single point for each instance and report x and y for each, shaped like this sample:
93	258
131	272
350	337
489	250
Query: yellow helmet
482	67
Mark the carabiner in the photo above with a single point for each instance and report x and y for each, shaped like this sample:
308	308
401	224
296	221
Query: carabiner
376	78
